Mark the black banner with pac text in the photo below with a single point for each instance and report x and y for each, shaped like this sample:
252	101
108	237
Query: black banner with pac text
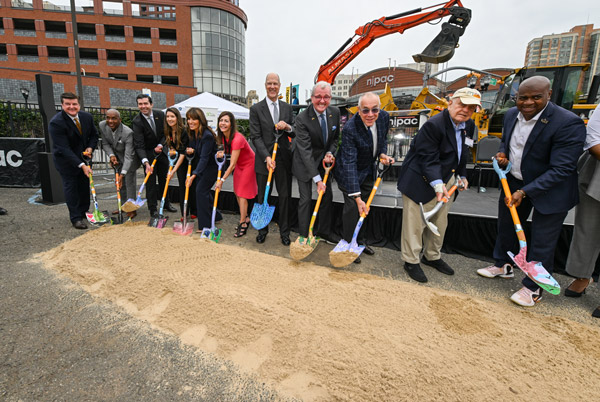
19	161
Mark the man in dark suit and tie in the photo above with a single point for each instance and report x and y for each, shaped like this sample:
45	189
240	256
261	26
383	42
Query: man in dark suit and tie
117	143
364	141
266	116
543	142
317	130
148	141
73	133
437	154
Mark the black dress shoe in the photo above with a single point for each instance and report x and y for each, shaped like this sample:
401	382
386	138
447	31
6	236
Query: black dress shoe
368	250
260	238
79	225
285	240
440	265
170	208
3	211
596	312
415	272
357	261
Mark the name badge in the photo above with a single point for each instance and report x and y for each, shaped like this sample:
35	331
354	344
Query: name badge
469	142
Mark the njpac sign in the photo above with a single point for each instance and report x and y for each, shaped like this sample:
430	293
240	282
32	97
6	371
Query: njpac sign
374	81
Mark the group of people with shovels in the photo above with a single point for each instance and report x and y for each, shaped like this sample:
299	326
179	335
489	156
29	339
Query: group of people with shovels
536	164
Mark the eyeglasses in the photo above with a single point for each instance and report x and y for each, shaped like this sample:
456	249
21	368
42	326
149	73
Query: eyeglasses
375	110
320	98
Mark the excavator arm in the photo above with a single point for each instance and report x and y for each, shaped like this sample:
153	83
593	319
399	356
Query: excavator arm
440	50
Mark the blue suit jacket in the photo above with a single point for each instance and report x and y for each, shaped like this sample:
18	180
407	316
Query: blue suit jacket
355	161
549	158
433	155
68	144
205	148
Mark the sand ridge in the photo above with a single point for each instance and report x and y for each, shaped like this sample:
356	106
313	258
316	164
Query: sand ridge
322	334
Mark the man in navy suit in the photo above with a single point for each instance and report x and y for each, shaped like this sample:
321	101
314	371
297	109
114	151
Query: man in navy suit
543	142
436	155
73	133
364	141
148	141
317	130
266	116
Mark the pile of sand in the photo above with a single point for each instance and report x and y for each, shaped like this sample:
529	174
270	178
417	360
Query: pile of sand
321	334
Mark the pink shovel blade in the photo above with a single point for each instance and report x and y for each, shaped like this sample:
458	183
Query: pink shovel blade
535	271
183	230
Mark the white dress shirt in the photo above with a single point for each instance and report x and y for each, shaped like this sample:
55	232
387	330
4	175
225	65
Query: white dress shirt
518	140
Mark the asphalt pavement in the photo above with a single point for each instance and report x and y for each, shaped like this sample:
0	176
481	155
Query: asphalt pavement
57	342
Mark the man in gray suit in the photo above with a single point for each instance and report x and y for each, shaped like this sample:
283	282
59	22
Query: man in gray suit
317	130
585	245
117	142
266	116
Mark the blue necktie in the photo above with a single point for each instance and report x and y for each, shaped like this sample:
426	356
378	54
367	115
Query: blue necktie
323	127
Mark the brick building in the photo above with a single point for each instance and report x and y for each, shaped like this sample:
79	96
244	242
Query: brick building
580	45
175	49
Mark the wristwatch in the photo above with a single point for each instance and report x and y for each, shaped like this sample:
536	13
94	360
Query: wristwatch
356	197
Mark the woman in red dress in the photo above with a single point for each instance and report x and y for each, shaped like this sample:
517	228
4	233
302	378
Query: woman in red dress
242	165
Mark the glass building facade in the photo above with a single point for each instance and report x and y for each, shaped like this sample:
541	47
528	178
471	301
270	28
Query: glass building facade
218	53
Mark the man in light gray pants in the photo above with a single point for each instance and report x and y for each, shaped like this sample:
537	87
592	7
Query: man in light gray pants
585	245
117	142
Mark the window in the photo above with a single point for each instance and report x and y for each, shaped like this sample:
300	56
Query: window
114	30
55	26
26	25
27	50
144	78
87	29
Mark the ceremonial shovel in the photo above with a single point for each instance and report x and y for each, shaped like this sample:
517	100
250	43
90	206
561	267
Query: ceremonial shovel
97	217
438	206
213	233
184	227
159	221
263	213
133	205
344	253
303	246
533	269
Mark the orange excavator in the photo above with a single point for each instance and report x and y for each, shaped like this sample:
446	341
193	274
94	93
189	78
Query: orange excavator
440	50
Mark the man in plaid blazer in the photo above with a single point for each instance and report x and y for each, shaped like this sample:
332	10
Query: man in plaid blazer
364	140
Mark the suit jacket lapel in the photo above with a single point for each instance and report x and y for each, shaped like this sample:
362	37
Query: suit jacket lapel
316	123
72	126
450	131
507	133
538	128
267	111
329	127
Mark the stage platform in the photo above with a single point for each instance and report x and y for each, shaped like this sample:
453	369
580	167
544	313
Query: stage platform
471	223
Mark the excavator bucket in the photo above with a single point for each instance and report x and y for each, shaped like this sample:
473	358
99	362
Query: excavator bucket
441	48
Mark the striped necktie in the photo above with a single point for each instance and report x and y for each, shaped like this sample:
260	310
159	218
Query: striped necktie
78	125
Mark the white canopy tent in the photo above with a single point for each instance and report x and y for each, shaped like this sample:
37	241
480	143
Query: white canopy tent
206	100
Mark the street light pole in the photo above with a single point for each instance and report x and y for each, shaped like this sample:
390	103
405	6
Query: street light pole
76	51
25	93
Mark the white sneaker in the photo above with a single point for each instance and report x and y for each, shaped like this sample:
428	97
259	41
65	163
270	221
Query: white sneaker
526	298
505	271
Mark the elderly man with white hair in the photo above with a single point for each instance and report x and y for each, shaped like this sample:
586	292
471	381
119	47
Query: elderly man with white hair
436	157
117	142
364	141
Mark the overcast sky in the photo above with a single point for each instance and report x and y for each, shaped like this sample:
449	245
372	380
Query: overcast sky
293	38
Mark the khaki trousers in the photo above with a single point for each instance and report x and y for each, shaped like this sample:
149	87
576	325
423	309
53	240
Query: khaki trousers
416	237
